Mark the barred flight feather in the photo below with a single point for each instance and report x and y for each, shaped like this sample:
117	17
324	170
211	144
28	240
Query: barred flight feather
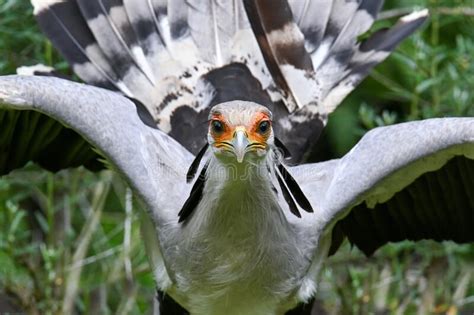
301	57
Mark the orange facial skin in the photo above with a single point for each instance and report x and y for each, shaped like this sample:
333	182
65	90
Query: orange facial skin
254	135
226	135
257	139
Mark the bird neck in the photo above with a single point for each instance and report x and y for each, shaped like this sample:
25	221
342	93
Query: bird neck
239	198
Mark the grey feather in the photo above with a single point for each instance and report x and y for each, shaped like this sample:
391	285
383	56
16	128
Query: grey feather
143	21
159	12
331	29
70	34
120	21
343	29
178	19
282	45
312	18
384	162
347	20
213	25
368	54
98	17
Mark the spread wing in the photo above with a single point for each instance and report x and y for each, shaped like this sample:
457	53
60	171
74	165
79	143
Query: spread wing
150	160
179	58
408	181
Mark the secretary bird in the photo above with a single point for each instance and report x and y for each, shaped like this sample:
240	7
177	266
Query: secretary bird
240	232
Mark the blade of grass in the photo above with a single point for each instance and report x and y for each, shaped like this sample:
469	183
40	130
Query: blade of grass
84	239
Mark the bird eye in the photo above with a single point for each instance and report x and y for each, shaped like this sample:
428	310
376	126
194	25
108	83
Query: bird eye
264	126
217	126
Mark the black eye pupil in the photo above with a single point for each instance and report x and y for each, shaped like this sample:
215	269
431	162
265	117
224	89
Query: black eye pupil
263	127
217	126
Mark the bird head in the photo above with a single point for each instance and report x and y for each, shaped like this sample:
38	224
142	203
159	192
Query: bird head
240	131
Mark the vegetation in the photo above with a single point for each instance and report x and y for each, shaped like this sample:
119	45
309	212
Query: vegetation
70	241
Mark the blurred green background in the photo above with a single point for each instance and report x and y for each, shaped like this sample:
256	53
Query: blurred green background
70	242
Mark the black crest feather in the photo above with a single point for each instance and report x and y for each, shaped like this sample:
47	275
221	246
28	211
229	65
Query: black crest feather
194	197
282	148
195	164
289	199
284	176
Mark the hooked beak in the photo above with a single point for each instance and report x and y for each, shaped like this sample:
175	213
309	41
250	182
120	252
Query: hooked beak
240	143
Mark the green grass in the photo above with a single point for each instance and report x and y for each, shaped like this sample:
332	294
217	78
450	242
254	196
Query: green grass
62	235
66	230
